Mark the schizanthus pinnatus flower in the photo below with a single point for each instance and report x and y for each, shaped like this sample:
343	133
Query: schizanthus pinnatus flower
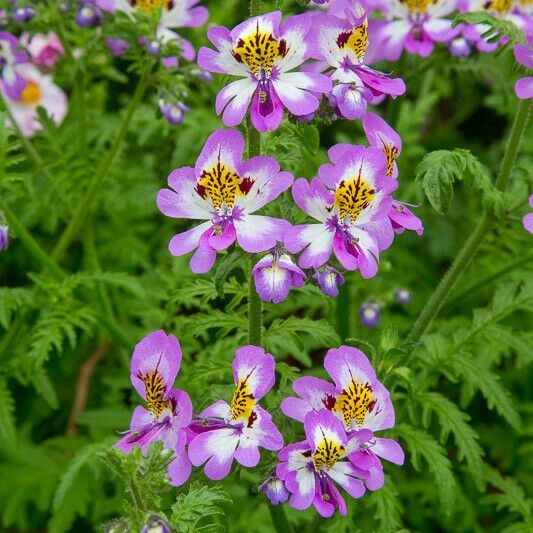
11	82
312	468
274	275
524	55
358	400
264	54
224	432
224	191
351	200
155	364
340	44
528	219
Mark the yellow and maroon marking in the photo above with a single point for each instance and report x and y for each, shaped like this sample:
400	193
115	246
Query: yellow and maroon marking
355	402
328	453
222	186
502	7
155	393
259	51
243	402
391	153
353	196
355	40
150	5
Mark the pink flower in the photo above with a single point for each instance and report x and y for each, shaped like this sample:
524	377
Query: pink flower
224	191
155	363
45	50
524	55
528	219
350	200
264	54
39	90
236	431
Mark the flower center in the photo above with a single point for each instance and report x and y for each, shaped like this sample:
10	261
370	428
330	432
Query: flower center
259	51
155	393
352	196
222	186
150	5
31	95
355	40
355	402
243	402
327	453
499	6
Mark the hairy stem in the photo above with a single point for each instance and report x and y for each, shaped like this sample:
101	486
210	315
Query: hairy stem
279	519
343	306
486	223
255	7
87	201
28	146
255	314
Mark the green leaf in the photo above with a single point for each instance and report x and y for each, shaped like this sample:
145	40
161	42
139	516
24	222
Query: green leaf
199	503
388	507
439	170
453	420
423	446
226	266
7	414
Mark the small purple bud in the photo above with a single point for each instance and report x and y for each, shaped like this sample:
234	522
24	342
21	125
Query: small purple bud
329	280
274	275
117	47
153	47
205	76
459	47
402	296
156	525
24	13
4	238
275	490
173	113
170	62
88	16
370	315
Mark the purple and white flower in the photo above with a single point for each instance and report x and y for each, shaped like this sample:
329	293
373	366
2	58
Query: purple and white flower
173	113
311	469
174	14
264	54
403	296
275	490
414	26
11	81
329	279
45	50
340	45
370	314
274	275
224	432
155	364
39	90
359	401
382	136
116	46
224	191
350	199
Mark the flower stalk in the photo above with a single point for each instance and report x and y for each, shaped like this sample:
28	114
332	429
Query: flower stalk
481	231
86	203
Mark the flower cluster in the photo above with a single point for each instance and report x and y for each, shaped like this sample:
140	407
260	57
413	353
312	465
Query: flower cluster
221	432
417	25
25	82
339	418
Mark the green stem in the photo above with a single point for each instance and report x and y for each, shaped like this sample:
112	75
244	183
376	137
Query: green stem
483	282
279	519
255	314
135	495
80	113
28	146
344	309
85	205
486	223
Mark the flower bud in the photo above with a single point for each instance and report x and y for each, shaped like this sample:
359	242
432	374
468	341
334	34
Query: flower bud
370	315
275	490
328	280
